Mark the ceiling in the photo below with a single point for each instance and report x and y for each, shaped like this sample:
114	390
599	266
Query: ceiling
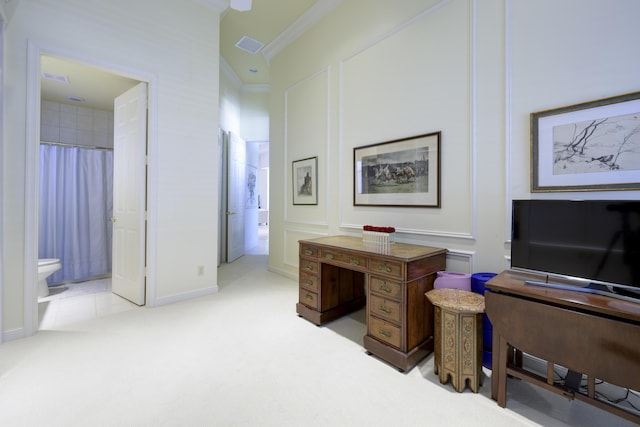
97	88
274	23
266	20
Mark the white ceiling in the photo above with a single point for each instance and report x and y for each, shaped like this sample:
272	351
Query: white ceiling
274	23
98	88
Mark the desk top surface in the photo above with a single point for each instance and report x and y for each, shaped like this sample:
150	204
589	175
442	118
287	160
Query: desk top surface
512	282
402	251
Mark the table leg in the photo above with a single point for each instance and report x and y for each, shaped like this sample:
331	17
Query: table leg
495	364
502	372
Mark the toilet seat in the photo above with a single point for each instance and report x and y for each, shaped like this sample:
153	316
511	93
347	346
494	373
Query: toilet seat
47	261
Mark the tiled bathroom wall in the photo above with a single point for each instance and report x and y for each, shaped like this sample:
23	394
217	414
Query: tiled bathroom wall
70	124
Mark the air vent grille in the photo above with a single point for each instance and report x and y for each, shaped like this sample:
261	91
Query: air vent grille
250	45
56	77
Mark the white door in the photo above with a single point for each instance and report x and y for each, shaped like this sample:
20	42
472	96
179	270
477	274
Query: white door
129	182
236	184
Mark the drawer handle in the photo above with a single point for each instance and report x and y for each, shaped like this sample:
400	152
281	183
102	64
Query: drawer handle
308	296
354	261
385	288
329	256
384	267
308	252
309	267
308	282
384	332
385	309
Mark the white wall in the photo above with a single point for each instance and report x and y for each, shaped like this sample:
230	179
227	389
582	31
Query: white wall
473	70
175	48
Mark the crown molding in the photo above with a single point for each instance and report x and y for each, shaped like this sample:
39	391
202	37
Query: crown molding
311	17
228	71
218	5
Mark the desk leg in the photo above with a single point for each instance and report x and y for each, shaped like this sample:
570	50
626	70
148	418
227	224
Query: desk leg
502	371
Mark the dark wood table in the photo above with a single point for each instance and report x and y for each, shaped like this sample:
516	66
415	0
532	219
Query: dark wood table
593	336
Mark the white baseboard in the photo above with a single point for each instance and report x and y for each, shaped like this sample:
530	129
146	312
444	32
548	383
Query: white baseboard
184	296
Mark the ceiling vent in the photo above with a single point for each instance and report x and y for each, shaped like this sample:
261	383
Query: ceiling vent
56	77
250	45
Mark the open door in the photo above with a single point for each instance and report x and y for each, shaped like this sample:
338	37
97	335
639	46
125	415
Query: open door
129	183
237	161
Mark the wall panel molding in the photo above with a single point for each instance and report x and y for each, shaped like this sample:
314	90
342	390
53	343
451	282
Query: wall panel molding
309	149
344	147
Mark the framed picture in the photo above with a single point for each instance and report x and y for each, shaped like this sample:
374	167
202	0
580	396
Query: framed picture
305	181
593	146
402	172
252	178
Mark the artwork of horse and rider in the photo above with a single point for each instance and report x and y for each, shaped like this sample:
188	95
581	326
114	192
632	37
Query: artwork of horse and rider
403	172
305	181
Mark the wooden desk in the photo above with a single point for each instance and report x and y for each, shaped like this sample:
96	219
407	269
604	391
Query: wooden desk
588	334
340	274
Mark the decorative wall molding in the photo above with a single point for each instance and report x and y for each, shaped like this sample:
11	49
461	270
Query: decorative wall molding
473	143
322	192
311	17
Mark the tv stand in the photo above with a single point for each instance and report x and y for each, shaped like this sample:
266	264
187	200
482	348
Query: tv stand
622	292
590	334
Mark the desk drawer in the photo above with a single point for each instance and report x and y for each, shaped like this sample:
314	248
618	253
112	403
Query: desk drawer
386	267
309	266
308	298
309	251
385	287
349	259
385	308
384	331
309	281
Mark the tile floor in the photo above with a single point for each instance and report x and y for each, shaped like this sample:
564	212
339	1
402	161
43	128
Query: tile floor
75	302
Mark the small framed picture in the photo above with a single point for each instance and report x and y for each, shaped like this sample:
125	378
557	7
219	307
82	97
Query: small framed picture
593	146
305	181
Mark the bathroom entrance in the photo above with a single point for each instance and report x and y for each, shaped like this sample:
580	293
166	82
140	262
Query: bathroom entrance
125	136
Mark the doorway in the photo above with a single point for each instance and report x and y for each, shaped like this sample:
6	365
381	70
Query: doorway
243	197
34	85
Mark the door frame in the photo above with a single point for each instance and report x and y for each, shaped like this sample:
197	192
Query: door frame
34	51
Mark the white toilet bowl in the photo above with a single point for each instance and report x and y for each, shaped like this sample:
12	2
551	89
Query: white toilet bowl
46	267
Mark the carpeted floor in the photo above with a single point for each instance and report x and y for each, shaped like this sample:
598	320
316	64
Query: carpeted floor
243	358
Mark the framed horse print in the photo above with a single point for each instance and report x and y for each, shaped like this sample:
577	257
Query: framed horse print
403	172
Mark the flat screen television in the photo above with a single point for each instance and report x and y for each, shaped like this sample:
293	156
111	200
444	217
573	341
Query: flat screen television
594	243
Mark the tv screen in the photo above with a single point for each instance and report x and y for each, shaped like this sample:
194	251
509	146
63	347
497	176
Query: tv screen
596	240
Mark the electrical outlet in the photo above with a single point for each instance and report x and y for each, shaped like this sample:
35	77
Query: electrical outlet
200	270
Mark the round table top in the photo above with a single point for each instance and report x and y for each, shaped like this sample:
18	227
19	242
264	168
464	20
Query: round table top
457	299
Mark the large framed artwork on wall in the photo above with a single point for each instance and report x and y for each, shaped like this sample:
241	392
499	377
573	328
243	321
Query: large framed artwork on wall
593	146
403	172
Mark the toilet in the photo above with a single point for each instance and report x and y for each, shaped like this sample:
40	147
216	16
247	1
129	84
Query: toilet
46	267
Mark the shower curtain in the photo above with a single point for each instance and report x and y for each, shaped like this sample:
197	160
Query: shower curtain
76	203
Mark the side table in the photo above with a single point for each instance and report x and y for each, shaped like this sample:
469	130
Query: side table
458	337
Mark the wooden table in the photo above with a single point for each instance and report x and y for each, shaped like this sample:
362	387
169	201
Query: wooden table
590	335
340	274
